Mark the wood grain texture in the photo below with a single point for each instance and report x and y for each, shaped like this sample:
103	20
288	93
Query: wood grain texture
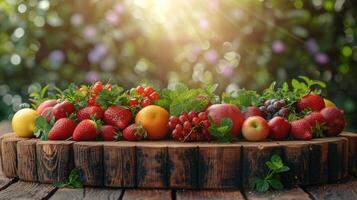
255	155
183	165
219	166
135	194
318	162
294	193
26	160
151	165
9	156
296	156
209	195
1	138
54	160
352	151
88	157
335	158
345	158
344	191
87	193
26	190
119	164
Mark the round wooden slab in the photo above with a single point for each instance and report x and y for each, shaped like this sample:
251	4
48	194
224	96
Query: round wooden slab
169	164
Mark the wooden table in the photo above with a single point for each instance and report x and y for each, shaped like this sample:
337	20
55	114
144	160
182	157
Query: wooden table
14	189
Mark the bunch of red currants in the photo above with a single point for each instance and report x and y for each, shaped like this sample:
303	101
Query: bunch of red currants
190	127
143	96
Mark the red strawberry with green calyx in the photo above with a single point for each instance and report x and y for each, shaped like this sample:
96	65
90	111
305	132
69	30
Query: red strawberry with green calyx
62	129
311	101
134	132
117	116
63	109
86	130
317	123
109	133
301	130
89	112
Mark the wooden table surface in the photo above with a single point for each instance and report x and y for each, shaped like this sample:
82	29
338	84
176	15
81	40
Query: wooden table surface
15	189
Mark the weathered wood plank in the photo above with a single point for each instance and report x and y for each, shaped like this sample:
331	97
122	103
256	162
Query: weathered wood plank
352	151
131	194
294	193
151	165
318	164
1	138
335	158
88	157
26	190
341	191
9	155
4	182
183	165
209	195
219	166
119	164
87	193
54	160
254	157
68	194
296	156
26	157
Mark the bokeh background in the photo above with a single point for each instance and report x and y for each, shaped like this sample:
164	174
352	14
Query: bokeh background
235	43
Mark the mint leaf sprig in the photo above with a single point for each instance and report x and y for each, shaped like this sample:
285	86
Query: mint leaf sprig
222	131
73	181
114	96
39	94
42	127
272	178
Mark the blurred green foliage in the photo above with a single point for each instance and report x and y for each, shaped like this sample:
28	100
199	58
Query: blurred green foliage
235	43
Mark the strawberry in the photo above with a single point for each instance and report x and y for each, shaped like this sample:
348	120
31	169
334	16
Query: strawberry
62	129
86	130
109	133
47	113
315	118
63	109
117	116
317	123
134	132
89	112
252	111
279	128
335	121
301	130
311	101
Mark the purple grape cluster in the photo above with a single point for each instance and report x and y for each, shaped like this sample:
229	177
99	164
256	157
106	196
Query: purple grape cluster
273	108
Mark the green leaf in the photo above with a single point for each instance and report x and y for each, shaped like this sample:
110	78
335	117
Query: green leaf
276	184
222	131
262	185
42	128
283	169
60	184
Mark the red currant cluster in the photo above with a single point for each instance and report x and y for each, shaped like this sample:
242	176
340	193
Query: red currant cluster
190	127
143	96
94	92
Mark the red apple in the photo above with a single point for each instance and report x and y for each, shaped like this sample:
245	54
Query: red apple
252	111
279	128
46	104
220	111
255	128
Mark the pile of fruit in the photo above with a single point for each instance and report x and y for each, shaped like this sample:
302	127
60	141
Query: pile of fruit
295	111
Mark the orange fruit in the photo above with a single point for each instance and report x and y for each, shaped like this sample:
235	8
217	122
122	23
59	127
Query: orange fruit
154	119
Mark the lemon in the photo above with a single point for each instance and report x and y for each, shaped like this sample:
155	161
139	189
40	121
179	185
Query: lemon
23	122
329	103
